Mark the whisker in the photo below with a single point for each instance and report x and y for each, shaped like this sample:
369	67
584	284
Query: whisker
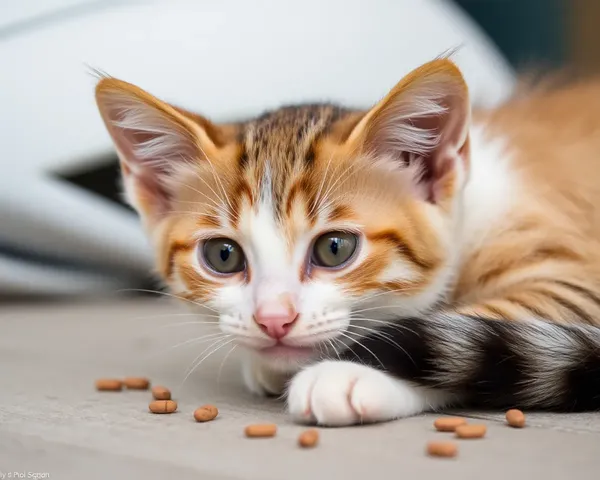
378	294
205	357
331	186
386	338
345	175
199	214
318	196
212	201
334	349
167	294
346	347
388	323
310	335
215	341
198	340
223	362
357	342
205	182
169	315
216	177
378	307
181	324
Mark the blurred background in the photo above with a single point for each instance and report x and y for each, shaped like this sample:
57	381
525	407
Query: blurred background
64	230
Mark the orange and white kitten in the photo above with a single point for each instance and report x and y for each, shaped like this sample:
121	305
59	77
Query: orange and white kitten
431	258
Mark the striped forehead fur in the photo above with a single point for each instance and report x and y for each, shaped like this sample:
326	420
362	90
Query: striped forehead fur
282	144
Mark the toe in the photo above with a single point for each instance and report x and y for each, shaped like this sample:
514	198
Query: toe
330	400
299	396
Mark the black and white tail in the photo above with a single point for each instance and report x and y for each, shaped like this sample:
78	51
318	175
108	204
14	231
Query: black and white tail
496	364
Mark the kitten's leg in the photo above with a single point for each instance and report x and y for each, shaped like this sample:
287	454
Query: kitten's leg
262	380
338	393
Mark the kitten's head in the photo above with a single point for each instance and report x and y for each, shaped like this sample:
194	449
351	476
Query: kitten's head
307	226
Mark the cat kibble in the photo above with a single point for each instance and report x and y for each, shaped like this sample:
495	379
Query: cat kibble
109	385
442	449
471	431
161	393
136	383
261	430
448	424
309	438
163	406
206	413
515	418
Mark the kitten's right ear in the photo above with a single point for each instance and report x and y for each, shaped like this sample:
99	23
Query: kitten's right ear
155	143
422	123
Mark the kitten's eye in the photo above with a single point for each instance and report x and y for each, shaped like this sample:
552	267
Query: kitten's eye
332	249
223	255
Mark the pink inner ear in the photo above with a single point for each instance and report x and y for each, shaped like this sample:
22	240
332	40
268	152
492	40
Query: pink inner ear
425	129
152	146
449	127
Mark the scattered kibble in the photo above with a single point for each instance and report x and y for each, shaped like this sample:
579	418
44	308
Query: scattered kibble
515	418
161	393
261	430
163	406
206	413
109	385
471	431
448	424
308	438
442	449
136	383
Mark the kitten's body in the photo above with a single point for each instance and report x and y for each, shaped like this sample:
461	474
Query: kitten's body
457	222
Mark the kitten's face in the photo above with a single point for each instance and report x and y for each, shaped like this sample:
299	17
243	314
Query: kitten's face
288	226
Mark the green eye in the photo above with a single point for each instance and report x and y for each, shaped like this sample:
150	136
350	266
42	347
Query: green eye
223	255
332	249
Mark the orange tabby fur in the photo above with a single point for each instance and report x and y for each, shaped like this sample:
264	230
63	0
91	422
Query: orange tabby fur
540	258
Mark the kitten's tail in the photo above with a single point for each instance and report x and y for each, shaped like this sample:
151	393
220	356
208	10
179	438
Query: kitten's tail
496	364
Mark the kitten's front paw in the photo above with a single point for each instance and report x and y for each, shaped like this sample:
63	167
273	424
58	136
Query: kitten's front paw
338	393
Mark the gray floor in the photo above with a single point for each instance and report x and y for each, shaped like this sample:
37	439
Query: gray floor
53	422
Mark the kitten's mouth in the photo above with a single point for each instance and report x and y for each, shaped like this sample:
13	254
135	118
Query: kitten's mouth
281	350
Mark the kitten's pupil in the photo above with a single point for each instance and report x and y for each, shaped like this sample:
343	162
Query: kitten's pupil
334	247
225	251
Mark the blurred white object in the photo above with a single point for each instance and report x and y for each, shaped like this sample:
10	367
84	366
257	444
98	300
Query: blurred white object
225	59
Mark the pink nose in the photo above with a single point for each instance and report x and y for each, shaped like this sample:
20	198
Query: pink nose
276	318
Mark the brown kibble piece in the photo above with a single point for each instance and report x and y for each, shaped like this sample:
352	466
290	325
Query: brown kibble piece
515	418
448	424
261	430
161	393
471	431
163	406
137	383
109	385
308	438
206	413
442	449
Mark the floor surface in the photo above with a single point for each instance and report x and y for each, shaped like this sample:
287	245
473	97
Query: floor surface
53	424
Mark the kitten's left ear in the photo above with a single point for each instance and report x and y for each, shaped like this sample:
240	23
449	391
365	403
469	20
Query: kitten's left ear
422	123
156	142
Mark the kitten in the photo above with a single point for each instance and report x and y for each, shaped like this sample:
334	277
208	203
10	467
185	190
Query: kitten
417	246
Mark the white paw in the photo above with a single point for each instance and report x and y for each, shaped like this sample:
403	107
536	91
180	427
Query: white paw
337	393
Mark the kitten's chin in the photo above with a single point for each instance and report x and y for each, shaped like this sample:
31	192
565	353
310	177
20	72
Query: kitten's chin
284	357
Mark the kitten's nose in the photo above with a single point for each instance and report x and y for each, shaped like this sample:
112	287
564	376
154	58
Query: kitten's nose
276	318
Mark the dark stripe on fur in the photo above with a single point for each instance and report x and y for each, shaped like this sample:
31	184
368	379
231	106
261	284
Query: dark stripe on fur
578	313
580	290
494	364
